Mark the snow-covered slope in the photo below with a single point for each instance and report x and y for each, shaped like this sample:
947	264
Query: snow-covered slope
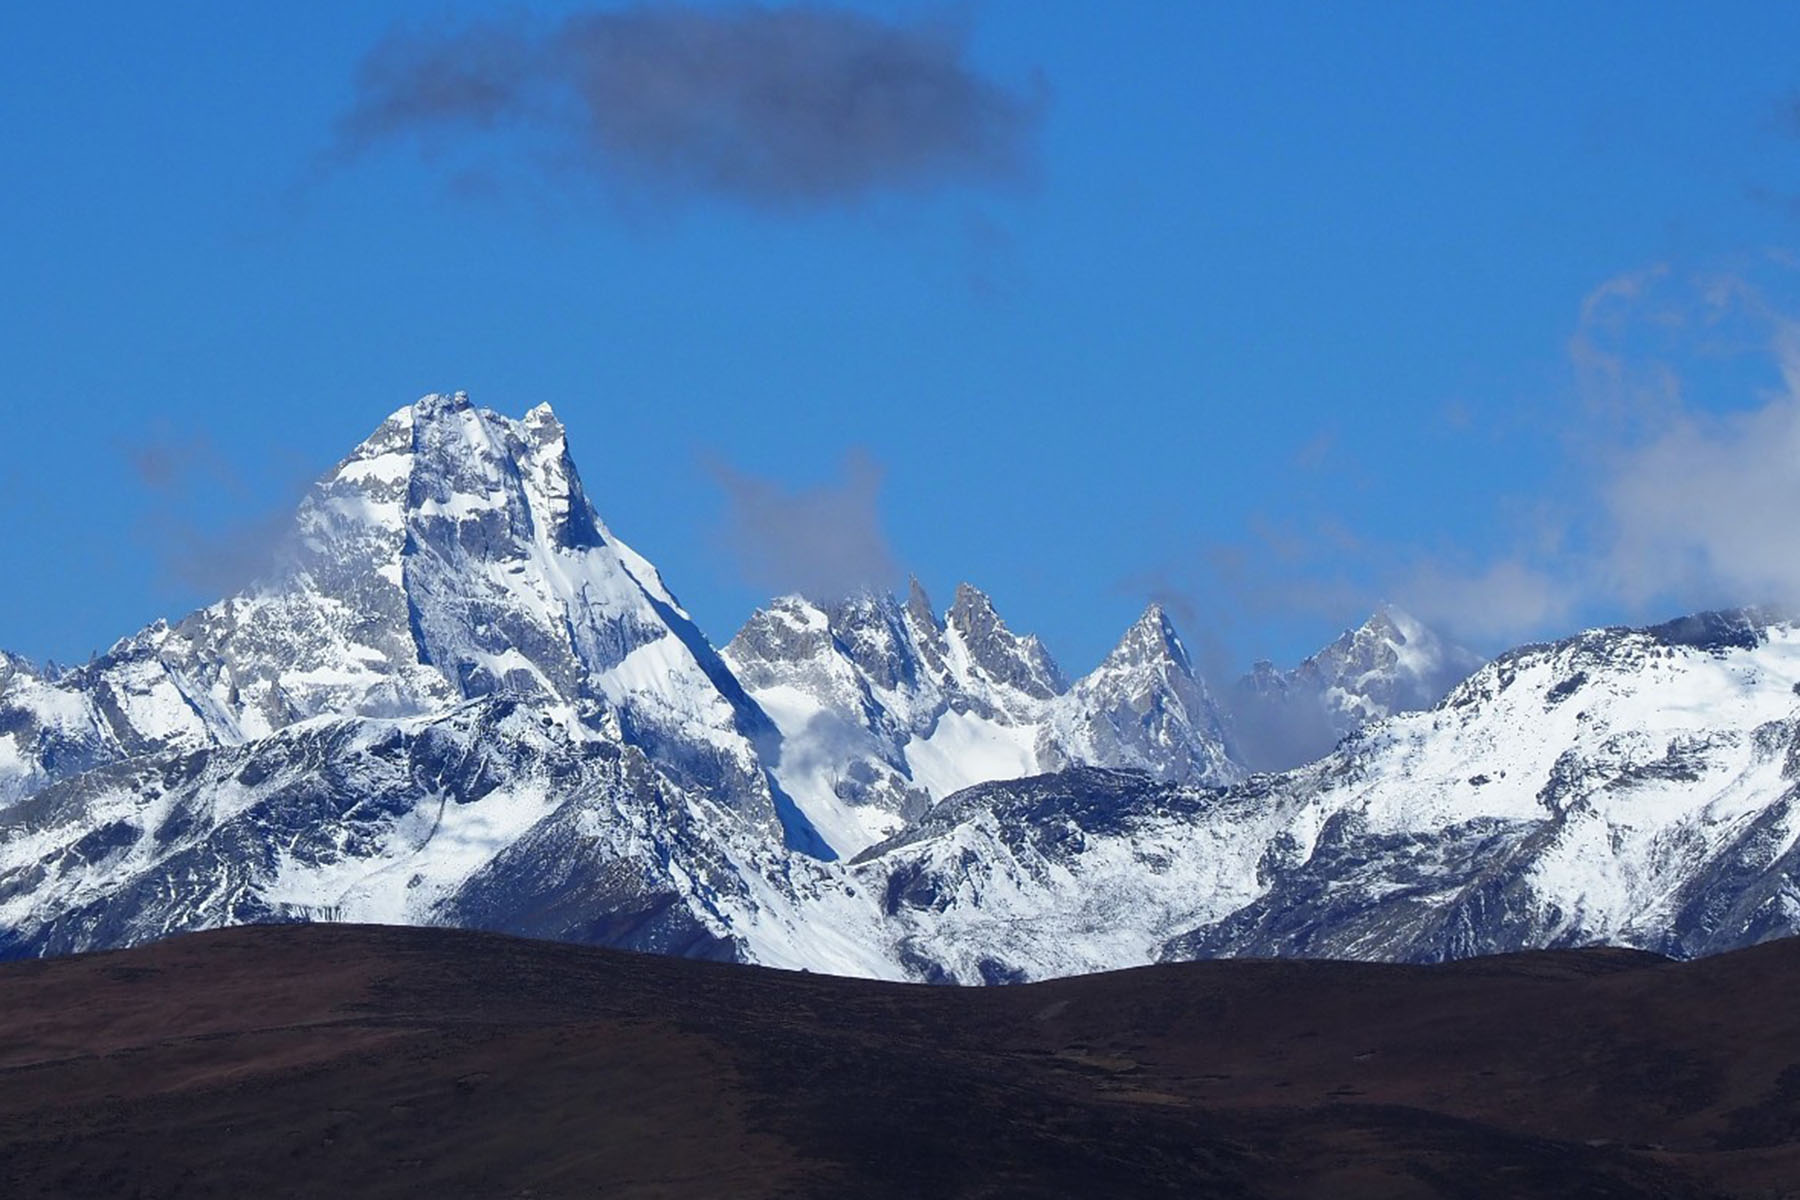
1083	870
1392	663
462	700
1636	787
1143	708
497	813
1626	786
885	708
46	731
453	554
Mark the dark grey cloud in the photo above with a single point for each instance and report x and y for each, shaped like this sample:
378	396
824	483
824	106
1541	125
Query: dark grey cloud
214	561
1277	731
161	466
209	533
778	108
824	542
1787	115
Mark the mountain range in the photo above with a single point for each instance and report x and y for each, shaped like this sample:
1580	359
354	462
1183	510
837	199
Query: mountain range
462	700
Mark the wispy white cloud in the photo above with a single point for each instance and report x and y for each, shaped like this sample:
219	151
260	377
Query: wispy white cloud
1674	485
1685	445
1493	603
1708	508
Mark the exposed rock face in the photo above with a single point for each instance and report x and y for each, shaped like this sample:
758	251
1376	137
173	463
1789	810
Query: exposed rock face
496	814
452	558
1009	665
1143	708
885	708
461	700
1636	787
452	555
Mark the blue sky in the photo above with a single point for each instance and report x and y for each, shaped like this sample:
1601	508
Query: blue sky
1282	310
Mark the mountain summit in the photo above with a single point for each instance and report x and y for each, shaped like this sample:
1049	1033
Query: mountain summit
452	555
1143	708
886	708
1392	663
461	698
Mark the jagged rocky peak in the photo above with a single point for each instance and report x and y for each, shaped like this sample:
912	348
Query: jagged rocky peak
786	631
442	448
1145	709
1151	640
842	683
918	605
967	659
871	628
511	583
789	640
1392	663
884	706
926	630
12	666
499	483
880	703
998	654
432	546
453	554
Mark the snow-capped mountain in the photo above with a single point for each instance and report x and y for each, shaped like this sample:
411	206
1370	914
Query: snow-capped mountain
462	700
1628	786
453	554
885	708
45	731
308	747
1392	663
496	814
1143	708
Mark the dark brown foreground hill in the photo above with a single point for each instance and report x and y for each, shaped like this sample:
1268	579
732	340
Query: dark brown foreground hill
355	1061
